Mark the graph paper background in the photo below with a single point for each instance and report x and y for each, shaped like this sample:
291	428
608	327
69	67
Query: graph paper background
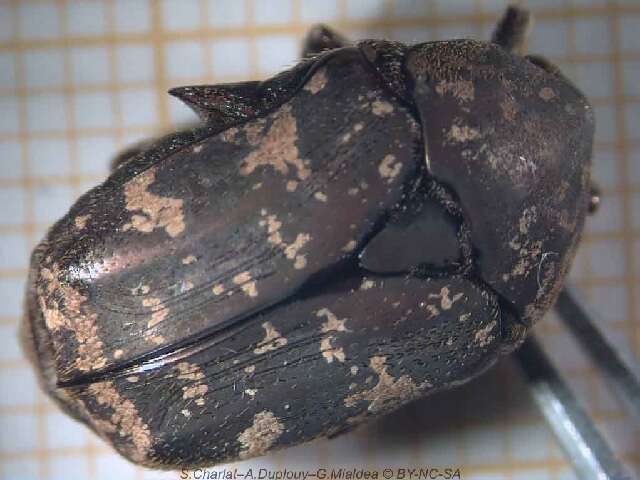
81	79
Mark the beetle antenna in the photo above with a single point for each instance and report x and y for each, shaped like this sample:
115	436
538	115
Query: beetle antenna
512	29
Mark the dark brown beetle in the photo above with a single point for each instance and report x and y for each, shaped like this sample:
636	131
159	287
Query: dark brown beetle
380	222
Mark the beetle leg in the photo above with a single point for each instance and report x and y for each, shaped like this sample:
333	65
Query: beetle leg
512	29
321	38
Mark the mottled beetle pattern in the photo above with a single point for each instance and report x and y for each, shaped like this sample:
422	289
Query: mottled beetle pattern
379	222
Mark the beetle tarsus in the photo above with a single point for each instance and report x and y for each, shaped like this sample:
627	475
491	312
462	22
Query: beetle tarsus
512	29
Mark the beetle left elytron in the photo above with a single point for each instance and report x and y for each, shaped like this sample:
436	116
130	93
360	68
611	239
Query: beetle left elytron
373	225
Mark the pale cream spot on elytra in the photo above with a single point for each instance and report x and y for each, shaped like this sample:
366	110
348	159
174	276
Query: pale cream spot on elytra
155	211
329	352
292	185
250	289
218	289
277	147
350	246
432	310
229	135
246	283
251	392
291	250
446	302
160	312
483	336
462	90
367	284
333	323
354	370
317	82
197	148
509	109
300	262
73	316
388	392
155	339
194	375
272	340
462	133
125	418
140	290
321	197
250	369
261	435
118	353
389	168
546	94
381	108
81	221
185	412
188	260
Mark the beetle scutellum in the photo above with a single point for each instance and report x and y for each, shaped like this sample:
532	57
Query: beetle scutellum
375	224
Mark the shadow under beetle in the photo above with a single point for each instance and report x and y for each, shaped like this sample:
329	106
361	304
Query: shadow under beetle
379	222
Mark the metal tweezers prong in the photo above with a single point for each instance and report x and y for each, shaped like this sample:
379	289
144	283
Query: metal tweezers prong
576	315
586	449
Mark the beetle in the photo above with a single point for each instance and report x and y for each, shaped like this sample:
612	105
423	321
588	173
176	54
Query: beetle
378	223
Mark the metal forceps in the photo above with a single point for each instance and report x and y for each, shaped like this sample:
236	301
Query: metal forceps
582	443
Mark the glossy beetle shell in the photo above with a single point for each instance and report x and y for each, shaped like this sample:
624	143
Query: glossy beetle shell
230	290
